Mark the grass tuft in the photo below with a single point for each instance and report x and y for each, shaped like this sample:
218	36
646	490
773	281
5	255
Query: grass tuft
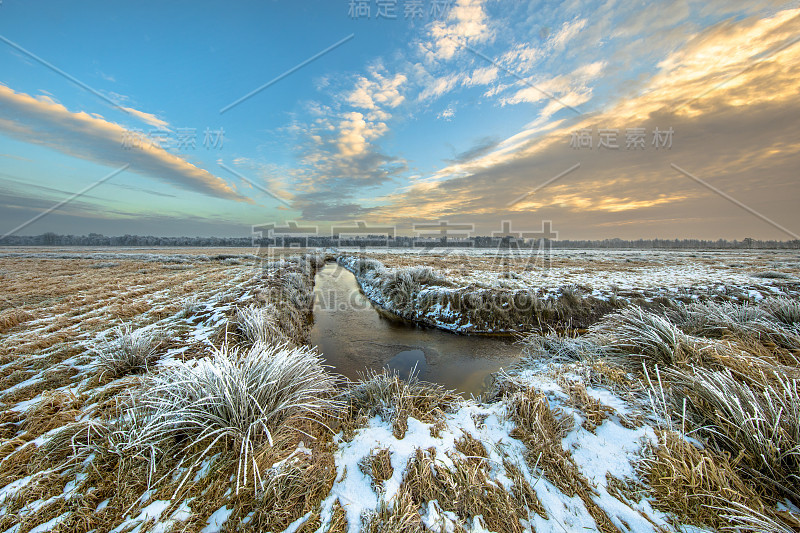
378	465
130	351
756	419
559	348
384	393
260	324
653	338
237	400
691	483
784	310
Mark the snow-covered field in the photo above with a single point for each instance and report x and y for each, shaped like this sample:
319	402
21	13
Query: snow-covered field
606	272
575	437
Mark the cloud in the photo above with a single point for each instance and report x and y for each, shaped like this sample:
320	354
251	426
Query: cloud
447	113
572	89
467	22
370	93
355	134
729	93
482	147
338	159
42	121
482	76
439	86
148	118
568	31
522	57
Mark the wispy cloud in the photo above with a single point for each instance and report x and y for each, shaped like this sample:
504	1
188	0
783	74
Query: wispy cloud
148	118
45	122
467	22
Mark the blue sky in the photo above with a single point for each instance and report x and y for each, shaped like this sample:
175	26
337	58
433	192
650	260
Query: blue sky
447	116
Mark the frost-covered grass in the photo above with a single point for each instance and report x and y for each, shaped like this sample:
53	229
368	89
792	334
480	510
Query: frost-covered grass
651	337
492	293
579	435
784	310
128	351
423	295
772	321
754	417
236	398
260	324
560	348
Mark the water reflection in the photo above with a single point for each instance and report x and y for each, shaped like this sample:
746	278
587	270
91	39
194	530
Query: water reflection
408	361
354	337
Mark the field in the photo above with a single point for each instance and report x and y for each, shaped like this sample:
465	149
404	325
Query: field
175	390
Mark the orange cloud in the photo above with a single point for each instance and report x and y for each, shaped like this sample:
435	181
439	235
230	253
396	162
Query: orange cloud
730	92
45	122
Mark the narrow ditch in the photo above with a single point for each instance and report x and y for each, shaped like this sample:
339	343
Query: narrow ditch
354	337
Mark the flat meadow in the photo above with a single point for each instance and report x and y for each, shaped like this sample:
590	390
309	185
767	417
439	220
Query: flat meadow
177	390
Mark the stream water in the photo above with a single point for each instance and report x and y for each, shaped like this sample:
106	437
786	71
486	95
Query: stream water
354	336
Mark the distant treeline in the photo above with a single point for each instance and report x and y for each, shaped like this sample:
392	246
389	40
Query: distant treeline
96	239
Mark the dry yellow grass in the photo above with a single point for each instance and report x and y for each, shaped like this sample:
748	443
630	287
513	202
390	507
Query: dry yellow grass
542	429
378	465
593	411
693	484
11	318
55	409
465	490
471	448
402	517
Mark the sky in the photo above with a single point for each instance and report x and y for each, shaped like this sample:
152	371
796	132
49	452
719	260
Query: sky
675	119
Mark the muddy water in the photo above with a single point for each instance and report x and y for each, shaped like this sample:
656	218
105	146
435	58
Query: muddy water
353	336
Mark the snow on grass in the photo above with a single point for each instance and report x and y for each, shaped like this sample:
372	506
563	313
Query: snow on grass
606	450
217	520
151	512
609	450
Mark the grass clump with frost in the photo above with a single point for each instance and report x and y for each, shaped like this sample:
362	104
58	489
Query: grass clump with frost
765	324
261	324
756	418
785	310
651	337
559	348
692	483
385	394
129	351
237	400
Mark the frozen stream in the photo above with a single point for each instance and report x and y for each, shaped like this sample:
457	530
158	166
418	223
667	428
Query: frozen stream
354	336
